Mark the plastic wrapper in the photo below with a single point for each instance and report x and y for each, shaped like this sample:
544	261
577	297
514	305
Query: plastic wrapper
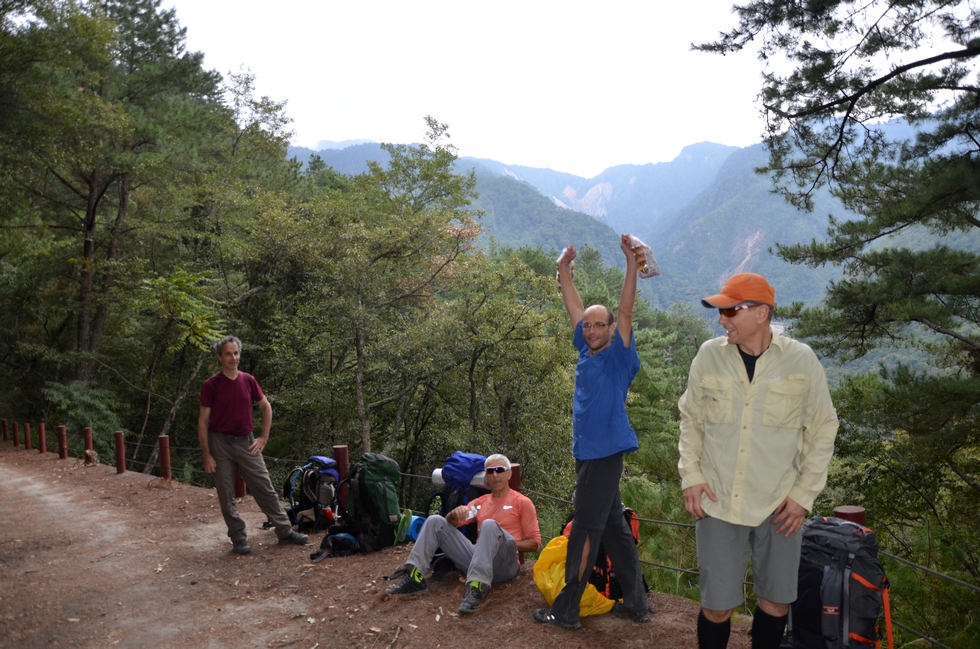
646	264
571	267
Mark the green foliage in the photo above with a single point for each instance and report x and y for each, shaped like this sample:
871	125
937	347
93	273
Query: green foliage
77	405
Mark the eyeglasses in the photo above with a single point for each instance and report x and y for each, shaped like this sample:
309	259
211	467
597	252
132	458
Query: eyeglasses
731	311
497	469
594	325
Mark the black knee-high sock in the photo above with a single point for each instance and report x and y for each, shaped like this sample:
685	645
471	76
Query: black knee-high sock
767	630
713	635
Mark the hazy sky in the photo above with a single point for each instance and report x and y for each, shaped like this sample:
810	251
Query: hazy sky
574	86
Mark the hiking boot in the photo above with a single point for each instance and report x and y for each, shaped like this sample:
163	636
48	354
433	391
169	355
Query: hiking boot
411	583
619	610
476	594
241	546
295	538
545	616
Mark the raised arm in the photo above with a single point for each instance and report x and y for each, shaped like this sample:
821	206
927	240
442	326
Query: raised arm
573	302
624	316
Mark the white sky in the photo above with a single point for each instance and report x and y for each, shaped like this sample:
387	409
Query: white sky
573	86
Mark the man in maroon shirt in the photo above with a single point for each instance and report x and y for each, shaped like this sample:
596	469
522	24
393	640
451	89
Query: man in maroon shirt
224	431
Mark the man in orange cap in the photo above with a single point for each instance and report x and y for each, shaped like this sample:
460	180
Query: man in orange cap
757	434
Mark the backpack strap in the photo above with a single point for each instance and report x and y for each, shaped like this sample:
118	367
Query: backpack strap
888	615
845	613
830	598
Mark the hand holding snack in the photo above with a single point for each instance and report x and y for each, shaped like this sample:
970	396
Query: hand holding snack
646	265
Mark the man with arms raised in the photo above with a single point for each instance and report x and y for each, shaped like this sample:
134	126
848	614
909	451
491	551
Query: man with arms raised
757	434
601	434
507	524
224	431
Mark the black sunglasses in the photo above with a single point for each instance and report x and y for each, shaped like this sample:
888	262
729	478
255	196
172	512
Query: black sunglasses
730	312
497	469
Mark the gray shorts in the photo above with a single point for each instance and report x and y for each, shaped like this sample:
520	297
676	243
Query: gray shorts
723	556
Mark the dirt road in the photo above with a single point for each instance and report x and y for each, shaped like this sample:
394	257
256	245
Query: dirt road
89	558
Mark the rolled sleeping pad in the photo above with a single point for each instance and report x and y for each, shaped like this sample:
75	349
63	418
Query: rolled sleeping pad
414	528
479	480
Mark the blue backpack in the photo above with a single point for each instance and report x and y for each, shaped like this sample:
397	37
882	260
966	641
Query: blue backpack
457	474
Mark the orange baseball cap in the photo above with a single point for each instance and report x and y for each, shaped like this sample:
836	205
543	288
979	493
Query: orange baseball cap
742	288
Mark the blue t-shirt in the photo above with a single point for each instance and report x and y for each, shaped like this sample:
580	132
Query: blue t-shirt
600	427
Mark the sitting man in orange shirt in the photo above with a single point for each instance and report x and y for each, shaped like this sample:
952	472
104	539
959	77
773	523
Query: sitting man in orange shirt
507	524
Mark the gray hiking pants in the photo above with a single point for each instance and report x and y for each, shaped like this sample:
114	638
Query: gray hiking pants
599	517
231	453
492	559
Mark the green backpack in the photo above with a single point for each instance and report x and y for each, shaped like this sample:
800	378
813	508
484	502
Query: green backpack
372	501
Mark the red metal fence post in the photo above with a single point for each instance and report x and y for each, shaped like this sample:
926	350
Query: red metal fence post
120	452
165	473
515	477
42	441
28	446
62	442
16	434
853	513
341	456
89	451
240	489
5	437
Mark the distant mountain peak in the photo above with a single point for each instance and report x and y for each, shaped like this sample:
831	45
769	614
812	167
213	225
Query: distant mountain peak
330	144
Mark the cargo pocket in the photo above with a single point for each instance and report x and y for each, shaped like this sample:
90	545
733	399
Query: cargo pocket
783	405
717	399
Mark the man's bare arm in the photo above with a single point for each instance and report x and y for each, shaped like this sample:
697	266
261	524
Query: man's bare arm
569	294
624	316
203	418
259	444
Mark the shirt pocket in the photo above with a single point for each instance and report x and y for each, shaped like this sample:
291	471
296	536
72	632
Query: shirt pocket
783	405
717	399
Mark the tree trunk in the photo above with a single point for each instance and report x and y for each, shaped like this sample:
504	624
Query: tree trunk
184	389
105	274
362	410
84	340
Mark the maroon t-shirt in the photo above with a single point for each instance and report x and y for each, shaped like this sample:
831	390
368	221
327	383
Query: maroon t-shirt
231	403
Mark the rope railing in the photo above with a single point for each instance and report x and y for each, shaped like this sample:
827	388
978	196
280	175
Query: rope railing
66	442
931	641
930	571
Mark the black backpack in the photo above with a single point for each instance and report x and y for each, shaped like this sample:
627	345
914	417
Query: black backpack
603	575
310	491
372	512
842	588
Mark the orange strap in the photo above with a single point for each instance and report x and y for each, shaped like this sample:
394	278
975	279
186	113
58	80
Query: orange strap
888	618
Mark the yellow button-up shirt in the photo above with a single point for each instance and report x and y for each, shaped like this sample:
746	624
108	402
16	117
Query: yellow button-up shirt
757	442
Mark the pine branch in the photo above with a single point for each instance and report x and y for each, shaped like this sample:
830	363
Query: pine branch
962	474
